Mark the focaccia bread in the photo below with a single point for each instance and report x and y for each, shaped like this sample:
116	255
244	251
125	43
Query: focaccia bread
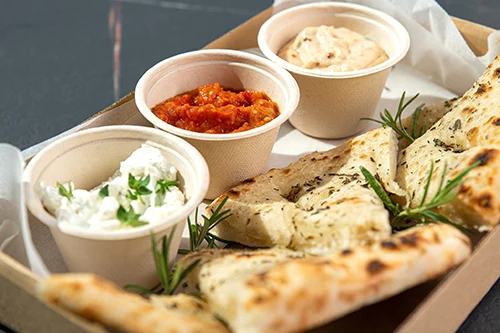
299	294
317	204
216	265
469	132
186	305
102	301
428	116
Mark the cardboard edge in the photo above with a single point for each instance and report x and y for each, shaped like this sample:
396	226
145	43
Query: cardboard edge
130	96
21	279
442	311
237	43
475	35
18	288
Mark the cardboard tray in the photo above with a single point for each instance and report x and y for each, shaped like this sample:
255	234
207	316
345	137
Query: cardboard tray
436	306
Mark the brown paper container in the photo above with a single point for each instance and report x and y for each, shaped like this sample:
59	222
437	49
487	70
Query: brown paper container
89	158
231	157
437	306
333	103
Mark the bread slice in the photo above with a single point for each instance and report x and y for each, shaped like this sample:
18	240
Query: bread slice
186	305
99	300
317	204
298	294
428	116
216	265
469	132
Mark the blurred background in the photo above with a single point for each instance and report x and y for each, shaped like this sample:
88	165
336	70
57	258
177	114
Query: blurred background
61	61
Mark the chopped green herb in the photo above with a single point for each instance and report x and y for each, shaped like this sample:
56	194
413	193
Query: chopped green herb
138	187
65	192
162	186
132	195
170	279
104	192
129	218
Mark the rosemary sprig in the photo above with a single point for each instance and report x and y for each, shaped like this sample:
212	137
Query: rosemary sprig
66	192
170	279
198	233
129	217
138	187
424	212
161	188
396	122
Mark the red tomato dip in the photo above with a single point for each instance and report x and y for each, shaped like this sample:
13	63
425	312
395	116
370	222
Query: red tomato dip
213	109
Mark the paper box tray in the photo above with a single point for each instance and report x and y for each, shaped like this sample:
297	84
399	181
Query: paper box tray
436	306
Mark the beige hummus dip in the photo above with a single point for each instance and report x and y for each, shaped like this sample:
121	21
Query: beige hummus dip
332	49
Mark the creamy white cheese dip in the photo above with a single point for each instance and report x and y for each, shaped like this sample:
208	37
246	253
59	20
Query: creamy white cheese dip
89	209
332	49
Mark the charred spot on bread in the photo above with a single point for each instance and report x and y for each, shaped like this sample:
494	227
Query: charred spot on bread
482	88
346	252
495	121
75	287
496	72
484	156
233	193
389	245
472	133
173	305
410	240
375	266
464	189
484	200
53	300
437	239
90	313
248	181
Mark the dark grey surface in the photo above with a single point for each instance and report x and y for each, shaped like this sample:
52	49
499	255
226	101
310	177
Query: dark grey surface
56	64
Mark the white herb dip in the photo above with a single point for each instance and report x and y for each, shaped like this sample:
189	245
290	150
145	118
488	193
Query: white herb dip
95	211
332	49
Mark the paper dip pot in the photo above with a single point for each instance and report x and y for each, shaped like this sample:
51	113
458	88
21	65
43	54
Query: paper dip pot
332	103
232	157
89	158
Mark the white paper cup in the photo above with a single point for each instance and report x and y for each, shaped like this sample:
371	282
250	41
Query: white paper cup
90	157
232	157
332	103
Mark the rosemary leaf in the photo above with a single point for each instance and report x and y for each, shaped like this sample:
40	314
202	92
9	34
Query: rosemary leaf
159	262
428	183
424	212
139	289
201	232
188	270
438	217
176	278
414	120
379	190
396	122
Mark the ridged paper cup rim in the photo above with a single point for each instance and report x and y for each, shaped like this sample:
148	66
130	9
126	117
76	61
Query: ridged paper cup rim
292	90
402	33
199	166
